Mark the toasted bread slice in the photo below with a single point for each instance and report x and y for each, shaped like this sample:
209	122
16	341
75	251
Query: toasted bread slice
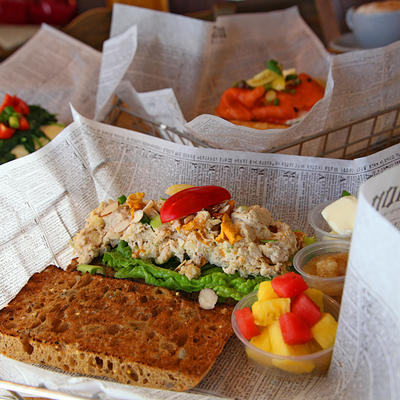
128	331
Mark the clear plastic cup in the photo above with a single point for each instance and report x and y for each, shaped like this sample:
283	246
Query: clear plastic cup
322	230
287	367
330	286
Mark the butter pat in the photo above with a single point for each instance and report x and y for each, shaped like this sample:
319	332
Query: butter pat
340	215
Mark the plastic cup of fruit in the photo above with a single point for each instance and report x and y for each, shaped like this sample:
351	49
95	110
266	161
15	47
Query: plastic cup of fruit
322	230
294	367
331	286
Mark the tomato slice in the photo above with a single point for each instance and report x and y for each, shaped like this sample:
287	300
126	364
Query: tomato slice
245	322
23	124
305	308
191	200
294	329
6	132
289	284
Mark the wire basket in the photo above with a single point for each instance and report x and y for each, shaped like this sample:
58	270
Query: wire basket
358	138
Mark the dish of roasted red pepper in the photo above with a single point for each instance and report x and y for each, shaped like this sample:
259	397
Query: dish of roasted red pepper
273	96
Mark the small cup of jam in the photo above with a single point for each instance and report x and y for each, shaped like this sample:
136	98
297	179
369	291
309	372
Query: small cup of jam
323	266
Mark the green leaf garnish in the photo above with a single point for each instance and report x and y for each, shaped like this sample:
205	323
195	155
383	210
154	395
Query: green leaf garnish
213	277
274	66
345	193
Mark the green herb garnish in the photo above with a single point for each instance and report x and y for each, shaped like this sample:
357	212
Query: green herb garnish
345	193
274	66
145	219
291	77
276	102
122	199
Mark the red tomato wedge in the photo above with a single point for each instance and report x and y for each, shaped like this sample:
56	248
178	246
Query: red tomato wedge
191	200
23	124
6	132
294	329
245	322
289	284
18	104
305	308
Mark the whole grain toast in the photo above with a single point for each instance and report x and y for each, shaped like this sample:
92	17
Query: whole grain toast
128	331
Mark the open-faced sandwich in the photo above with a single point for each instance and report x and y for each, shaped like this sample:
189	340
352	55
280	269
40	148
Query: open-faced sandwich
271	99
24	128
124	309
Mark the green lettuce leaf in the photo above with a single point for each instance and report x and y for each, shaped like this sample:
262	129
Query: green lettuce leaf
224	285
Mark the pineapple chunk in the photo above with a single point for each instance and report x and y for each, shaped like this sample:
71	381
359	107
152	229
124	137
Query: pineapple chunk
267	311
279	347
262	340
324	331
316	296
313	346
265	291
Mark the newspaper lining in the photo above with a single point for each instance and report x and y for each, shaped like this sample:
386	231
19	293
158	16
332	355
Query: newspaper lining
105	161
53	69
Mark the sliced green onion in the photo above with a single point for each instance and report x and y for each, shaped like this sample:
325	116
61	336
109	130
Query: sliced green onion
122	199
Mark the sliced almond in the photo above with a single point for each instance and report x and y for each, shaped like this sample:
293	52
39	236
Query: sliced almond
138	215
111	207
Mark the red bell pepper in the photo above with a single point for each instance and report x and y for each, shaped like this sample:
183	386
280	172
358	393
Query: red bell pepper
289	284
191	200
294	329
245	321
6	132
54	12
14	11
305	308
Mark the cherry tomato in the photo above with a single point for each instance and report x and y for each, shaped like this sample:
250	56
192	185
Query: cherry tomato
246	324
191	200
6	132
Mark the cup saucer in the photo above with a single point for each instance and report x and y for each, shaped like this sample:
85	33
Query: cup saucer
345	43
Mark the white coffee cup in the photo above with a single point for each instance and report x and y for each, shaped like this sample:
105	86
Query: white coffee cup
375	24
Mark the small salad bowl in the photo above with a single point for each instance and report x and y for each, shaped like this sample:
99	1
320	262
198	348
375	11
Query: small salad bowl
292	367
